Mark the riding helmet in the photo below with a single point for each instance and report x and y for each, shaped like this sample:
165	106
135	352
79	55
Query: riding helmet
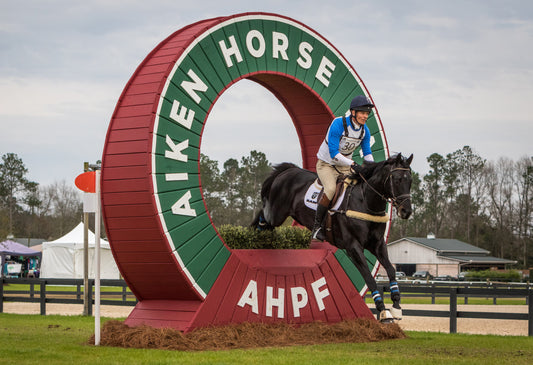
361	103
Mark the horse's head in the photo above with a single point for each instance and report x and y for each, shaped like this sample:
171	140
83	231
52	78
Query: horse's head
398	184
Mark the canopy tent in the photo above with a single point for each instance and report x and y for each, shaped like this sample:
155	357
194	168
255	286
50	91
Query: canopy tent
12	248
63	258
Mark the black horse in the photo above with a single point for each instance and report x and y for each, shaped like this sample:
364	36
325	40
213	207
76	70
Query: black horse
358	223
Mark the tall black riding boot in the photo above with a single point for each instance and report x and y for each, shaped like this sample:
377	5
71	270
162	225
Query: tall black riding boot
321	210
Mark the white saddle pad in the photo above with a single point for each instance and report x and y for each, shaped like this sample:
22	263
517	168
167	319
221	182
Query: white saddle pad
311	196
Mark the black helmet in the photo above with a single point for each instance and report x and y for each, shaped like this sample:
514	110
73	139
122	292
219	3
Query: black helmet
361	103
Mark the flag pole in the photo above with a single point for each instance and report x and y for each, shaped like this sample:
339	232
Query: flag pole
97	225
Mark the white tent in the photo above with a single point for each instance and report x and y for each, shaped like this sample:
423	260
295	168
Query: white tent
63	258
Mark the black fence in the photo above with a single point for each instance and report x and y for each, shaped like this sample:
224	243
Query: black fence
38	293
455	291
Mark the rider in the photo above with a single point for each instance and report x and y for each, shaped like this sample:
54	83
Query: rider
344	135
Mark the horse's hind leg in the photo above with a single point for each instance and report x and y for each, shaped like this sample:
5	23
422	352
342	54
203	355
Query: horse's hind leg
260	222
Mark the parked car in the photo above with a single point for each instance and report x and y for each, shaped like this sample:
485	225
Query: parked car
422	275
400	275
444	278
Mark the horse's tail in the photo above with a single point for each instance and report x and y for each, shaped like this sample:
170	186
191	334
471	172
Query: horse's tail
267	184
260	221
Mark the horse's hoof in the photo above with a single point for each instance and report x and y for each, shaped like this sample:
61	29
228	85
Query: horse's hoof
396	313
386	317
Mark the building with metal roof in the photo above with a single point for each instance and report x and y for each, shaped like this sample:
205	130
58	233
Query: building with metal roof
441	256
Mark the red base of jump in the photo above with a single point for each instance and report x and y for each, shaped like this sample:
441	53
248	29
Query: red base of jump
291	286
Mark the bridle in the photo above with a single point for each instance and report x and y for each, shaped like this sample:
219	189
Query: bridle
395	199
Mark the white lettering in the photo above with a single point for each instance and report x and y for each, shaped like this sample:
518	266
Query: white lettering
178	176
275	302
250	297
183	206
180	116
324	71
233	50
176	153
280	43
298	304
192	86
305	60
255	34
320	295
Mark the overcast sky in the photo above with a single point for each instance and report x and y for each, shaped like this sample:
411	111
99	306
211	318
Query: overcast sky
443	74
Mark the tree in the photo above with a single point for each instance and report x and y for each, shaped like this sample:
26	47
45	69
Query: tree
254	170
434	187
13	185
464	171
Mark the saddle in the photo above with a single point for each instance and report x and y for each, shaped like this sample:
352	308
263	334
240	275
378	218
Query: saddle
342	182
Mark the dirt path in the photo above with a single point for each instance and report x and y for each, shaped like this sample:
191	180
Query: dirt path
464	325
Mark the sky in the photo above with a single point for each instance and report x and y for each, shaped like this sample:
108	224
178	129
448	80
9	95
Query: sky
443	75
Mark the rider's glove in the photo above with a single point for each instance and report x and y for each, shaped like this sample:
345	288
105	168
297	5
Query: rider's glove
356	169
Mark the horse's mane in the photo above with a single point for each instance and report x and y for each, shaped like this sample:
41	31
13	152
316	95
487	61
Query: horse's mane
278	169
369	168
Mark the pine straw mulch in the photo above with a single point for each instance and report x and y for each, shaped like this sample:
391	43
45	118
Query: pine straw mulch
246	335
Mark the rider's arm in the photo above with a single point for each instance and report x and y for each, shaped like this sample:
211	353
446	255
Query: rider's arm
334	139
365	146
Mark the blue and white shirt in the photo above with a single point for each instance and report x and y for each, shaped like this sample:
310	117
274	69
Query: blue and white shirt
337	148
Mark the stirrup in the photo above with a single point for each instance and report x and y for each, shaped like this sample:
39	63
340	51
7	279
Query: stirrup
318	234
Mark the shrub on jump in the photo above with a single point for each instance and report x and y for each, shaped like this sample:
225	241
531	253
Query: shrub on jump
286	237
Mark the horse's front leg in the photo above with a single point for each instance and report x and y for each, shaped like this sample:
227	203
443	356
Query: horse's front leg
382	255
356	254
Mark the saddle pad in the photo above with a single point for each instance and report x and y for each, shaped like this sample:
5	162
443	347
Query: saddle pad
311	196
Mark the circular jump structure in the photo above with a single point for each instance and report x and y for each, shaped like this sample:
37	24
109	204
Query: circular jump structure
162	237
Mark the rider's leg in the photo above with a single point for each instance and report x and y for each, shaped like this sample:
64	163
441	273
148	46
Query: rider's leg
321	211
328	177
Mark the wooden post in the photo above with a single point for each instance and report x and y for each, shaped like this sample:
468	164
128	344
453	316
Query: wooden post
453	310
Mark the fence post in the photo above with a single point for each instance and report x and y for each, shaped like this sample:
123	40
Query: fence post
1	295
530	313
453	310
433	293
124	292
32	290
43	297
90	297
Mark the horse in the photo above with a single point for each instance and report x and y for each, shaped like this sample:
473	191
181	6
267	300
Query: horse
358	223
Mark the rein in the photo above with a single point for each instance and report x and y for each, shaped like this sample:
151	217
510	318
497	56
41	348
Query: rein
381	217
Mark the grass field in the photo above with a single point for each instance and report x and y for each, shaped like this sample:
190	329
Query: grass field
30	339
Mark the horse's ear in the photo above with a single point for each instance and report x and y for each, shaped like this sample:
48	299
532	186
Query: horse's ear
398	158
409	160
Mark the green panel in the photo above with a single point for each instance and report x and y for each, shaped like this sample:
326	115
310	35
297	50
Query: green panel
295	38
243	28
350	269
190	249
238	68
176	93
187	231
207	278
210	48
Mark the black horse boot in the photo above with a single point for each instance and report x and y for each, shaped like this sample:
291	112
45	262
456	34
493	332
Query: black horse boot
321	210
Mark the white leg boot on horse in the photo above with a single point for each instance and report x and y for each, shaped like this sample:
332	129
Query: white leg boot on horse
321	211
384	315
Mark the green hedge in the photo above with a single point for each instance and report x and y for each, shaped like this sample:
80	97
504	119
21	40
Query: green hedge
508	276
285	237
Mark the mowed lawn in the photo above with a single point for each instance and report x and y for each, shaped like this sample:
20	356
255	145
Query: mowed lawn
35	339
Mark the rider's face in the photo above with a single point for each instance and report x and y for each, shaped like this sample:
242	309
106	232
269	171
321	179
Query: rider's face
360	117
